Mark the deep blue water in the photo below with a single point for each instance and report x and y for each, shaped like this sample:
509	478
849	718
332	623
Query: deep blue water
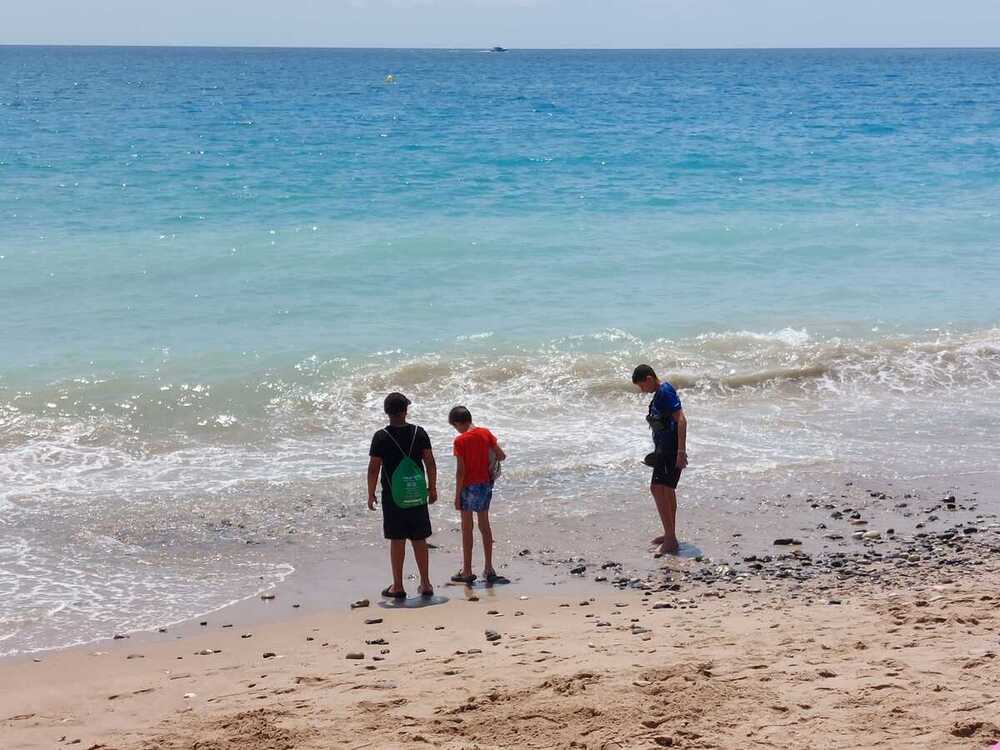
276	200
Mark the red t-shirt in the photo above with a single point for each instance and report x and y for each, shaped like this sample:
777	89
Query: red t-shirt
473	447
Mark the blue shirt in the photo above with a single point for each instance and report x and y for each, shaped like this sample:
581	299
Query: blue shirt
665	402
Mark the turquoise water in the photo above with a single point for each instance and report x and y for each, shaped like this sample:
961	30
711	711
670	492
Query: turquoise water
213	264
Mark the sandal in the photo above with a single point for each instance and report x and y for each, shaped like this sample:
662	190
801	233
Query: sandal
492	577
388	593
459	578
427	593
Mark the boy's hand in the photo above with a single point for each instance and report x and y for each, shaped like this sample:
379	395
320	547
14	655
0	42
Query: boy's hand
432	496
372	502
682	459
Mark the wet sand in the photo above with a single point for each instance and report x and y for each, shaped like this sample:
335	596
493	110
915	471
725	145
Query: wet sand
820	640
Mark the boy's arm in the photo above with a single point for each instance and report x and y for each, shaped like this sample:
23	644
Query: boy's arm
682	432
430	465
501	456
459	478
374	467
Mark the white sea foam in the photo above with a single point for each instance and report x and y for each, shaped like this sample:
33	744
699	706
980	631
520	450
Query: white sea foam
152	511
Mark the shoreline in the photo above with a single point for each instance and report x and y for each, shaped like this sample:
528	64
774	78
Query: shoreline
612	552
635	652
913	666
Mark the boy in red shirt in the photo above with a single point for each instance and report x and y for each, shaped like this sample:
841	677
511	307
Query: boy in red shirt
478	457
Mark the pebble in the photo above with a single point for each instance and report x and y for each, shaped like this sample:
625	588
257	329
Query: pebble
267	597
360	603
355	655
269	654
492	635
373	621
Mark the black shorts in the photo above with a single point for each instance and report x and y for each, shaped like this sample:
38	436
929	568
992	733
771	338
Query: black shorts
665	470
405	523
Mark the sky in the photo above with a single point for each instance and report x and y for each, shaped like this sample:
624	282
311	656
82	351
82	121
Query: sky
511	23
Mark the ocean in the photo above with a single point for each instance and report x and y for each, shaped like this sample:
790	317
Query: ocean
214	263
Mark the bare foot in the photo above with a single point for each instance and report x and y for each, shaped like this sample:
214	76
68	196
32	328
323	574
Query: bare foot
669	547
659	540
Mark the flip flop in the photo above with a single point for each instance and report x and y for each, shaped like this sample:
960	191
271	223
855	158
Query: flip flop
459	578
389	594
493	577
428	593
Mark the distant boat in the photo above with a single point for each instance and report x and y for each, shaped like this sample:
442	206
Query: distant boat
498	49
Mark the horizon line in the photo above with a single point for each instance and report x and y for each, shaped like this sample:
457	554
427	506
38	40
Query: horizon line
183	45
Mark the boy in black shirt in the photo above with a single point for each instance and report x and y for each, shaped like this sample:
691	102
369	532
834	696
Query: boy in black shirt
401	453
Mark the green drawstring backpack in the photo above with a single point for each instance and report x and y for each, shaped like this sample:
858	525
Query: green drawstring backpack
408	485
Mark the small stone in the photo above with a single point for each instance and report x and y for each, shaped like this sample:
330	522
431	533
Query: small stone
269	654
360	603
247	635
786	541
492	635
120	637
267	597
189	696
204	652
579	570
204	623
373	621
355	655
135	656
663	605
664	741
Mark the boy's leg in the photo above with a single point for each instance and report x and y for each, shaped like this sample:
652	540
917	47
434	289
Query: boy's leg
397	553
467	543
420	554
483	518
666	506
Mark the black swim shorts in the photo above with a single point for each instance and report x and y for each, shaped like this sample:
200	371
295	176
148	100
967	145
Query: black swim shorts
665	470
405	523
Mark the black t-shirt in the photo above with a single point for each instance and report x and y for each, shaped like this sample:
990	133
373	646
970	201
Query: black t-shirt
392	454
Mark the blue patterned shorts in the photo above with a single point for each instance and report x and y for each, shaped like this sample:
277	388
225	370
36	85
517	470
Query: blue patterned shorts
477	497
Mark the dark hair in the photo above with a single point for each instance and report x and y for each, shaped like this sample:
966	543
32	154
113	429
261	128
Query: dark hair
459	415
641	373
395	403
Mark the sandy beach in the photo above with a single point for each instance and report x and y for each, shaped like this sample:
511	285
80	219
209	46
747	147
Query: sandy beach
889	643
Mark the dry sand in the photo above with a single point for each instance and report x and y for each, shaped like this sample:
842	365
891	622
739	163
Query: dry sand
895	667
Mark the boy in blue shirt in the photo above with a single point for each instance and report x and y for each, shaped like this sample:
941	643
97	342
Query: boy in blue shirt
669	457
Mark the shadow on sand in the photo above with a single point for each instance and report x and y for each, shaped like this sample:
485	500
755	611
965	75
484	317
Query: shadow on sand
413	602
